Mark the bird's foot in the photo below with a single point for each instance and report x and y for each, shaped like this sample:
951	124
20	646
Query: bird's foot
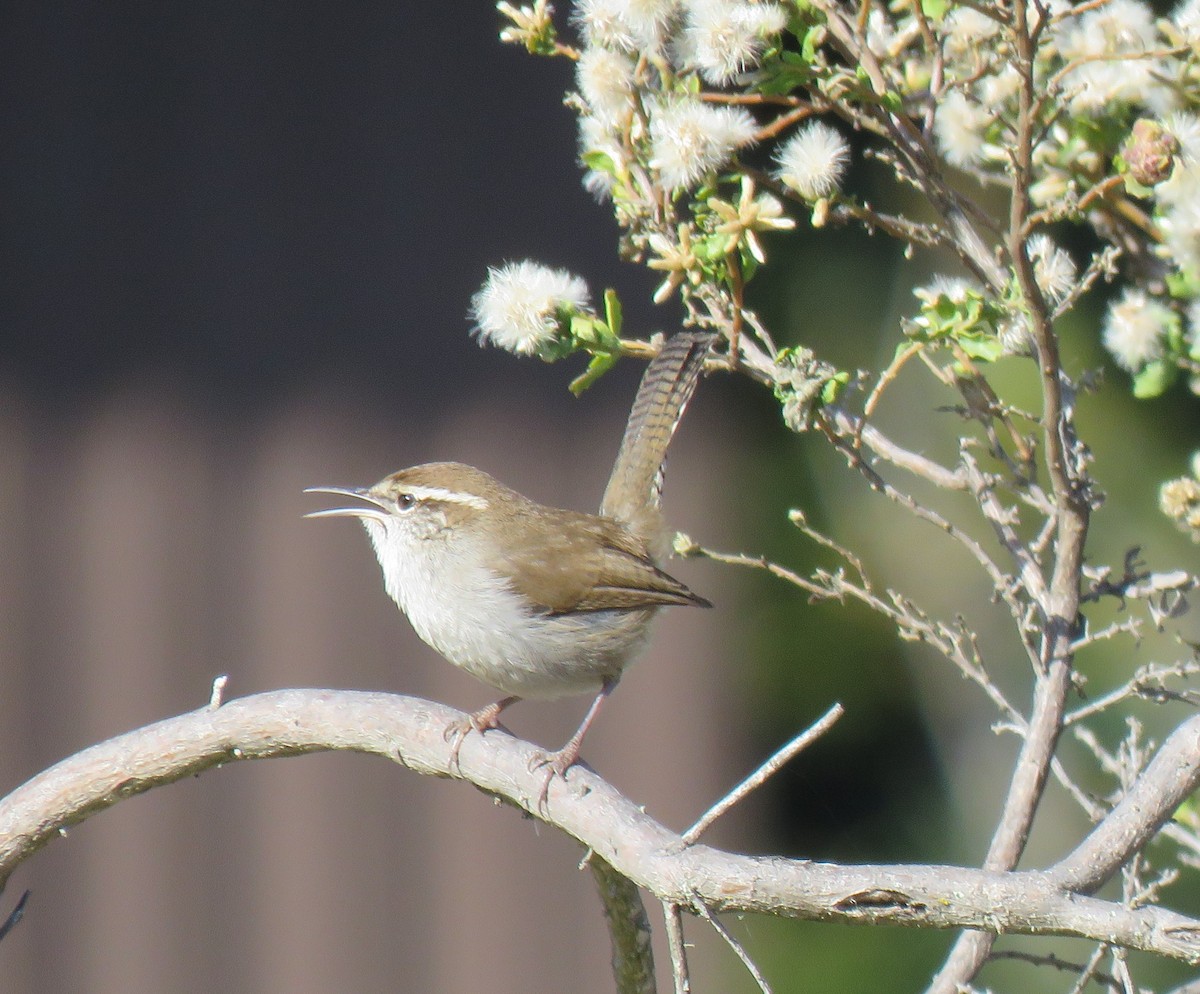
555	764
477	721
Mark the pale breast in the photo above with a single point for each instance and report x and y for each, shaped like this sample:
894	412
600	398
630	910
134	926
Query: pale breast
475	620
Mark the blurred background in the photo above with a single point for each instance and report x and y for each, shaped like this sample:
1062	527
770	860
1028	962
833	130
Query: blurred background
238	245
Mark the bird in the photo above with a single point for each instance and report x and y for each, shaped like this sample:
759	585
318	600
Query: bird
538	602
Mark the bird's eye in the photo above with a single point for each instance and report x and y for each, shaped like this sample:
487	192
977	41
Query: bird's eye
406	501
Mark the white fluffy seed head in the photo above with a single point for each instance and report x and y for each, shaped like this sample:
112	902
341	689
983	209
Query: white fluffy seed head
1053	268
724	38
521	305
813	161
605	81
960	129
689	139
1186	18
1135	328
1104	43
624	25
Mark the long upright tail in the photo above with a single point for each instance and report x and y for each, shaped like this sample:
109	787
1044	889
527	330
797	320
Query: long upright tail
634	490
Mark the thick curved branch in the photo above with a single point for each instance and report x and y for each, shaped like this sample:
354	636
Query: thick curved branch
410	731
1165	783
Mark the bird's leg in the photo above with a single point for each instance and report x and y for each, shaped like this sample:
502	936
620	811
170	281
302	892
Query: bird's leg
557	763
479	721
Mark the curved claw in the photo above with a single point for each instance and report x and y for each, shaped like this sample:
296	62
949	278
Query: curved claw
479	721
556	764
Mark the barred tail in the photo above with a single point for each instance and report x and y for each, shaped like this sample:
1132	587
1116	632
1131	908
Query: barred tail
635	487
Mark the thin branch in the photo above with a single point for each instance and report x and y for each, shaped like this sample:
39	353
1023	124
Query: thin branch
673	922
957	643
14	916
760	776
738	949
1092	970
1087	971
1163	785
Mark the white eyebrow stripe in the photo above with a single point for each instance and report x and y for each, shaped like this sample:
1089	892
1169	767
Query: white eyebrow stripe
450	496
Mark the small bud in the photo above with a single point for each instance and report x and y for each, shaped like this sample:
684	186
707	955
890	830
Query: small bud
684	546
1150	152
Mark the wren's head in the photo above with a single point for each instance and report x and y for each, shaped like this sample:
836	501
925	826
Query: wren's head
433	511
419	502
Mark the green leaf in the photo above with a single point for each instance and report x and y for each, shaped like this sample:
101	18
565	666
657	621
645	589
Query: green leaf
812	41
1154	379
612	312
600	364
968	318
749	263
1136	189
1183	284
601	162
585	330
985	348
834	387
1174	334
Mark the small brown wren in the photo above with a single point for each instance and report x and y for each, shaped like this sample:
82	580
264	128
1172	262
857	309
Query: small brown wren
536	601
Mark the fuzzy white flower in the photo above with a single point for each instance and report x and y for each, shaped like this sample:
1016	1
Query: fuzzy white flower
1119	28
999	87
881	33
597	135
628	25
1187	19
813	161
1053	268
520	306
1178	195
688	139
723	38
960	128
953	288
1016	337
1134	329
966	31
1179	222
605	81
1186	129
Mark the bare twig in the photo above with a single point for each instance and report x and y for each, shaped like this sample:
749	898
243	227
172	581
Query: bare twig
738	949
1163	785
760	776
14	916
673	922
1087	971
218	690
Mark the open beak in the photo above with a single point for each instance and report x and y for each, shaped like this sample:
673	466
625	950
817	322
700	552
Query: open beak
379	508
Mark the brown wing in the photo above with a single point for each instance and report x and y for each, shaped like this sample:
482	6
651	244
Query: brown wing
581	562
